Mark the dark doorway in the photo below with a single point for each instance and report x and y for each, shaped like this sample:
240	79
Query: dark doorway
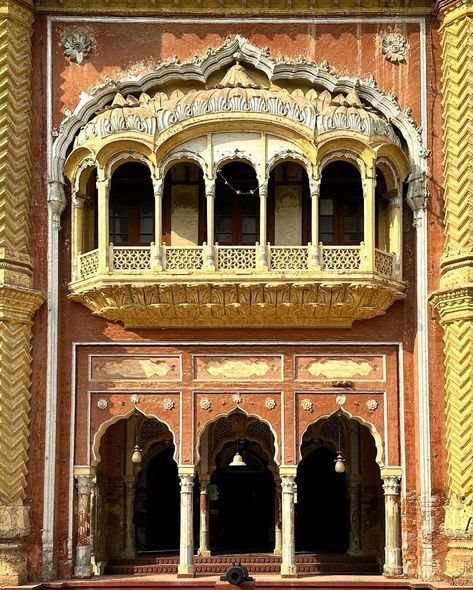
322	519
242	506
157	505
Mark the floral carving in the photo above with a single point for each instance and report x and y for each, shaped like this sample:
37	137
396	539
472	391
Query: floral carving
135	398
307	405
168	404
236	397
77	47
372	405
270	403
395	47
102	404
205	403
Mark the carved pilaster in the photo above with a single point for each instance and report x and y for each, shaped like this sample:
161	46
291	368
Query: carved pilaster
186	552
454	300
393	553
18	301
84	486
288	562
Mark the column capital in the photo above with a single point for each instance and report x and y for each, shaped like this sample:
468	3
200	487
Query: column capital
187	483
391	484
210	187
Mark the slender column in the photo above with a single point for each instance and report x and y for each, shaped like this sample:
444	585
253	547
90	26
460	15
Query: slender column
130	483
262	260
288	563
354	482
369	187
204	544
277	518
103	191
209	260
186	553
314	259
393	555
158	222
78	202
84	482
395	232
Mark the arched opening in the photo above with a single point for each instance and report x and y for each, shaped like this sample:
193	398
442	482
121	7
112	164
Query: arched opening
131	206
341	205
137	502
184	205
289	219
241	500
340	513
90	226
237	206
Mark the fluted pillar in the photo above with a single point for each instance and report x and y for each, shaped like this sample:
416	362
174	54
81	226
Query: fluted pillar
454	299
84	477
186	545
288	562
392	550
18	300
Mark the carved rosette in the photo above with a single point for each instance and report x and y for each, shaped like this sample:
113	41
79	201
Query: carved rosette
395	47
77	46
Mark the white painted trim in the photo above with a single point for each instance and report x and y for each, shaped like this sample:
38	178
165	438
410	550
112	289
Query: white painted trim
342	19
50	442
402	418
423	344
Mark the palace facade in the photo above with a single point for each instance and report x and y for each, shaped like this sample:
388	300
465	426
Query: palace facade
236	288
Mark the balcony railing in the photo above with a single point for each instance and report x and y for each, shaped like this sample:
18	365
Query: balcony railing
327	260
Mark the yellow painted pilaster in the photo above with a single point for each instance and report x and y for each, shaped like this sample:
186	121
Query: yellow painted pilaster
103	191
454	299
369	188
18	301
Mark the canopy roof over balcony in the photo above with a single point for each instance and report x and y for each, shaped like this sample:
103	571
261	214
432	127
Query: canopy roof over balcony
238	93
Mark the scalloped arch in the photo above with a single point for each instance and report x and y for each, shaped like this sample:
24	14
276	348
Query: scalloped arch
225	415
200	70
378	441
95	450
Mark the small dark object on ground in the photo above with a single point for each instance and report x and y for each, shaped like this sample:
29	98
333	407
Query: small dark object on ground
236	574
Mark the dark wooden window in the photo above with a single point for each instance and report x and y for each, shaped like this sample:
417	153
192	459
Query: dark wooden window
341	205
236	215
131	206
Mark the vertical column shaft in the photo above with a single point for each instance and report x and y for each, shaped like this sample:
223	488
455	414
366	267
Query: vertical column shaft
186	551
204	544
288	563
369	188
158	222
395	231
314	261
78	202
130	483
393	554
84	482
103	191
210	204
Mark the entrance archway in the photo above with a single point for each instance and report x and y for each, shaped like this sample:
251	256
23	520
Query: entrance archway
322	516
238	504
339	513
242	505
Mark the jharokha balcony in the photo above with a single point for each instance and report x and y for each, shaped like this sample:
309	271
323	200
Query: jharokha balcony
238	285
238	203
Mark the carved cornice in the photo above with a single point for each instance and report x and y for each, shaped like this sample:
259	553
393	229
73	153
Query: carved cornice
232	7
209	304
454	304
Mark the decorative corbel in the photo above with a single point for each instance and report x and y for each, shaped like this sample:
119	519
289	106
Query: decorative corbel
417	193
56	202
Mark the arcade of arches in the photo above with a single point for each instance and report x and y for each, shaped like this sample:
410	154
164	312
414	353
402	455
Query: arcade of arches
141	499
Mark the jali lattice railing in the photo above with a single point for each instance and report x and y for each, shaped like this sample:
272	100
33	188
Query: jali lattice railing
384	263
236	257
340	258
89	264
130	258
183	257
288	257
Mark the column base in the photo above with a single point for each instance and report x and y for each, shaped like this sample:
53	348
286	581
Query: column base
288	571
185	570
460	561
83	567
393	571
12	565
204	552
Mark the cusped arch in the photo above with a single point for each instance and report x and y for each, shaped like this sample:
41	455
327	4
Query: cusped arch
214	419
291	156
96	458
182	156
378	441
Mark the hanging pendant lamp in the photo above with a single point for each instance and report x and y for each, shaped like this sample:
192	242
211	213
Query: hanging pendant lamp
237	460
339	459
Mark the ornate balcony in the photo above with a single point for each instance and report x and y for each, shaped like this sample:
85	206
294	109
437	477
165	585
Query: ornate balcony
313	286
